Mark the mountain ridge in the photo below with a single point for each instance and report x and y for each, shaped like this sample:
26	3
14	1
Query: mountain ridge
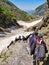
41	9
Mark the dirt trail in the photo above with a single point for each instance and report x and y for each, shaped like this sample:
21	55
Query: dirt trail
28	25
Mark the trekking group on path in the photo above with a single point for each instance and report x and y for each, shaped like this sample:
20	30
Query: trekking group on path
37	45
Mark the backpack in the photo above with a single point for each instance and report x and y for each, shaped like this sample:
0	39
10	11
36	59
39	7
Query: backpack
32	44
39	40
32	39
40	51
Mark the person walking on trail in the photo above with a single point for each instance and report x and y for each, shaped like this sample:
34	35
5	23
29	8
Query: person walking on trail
41	49
35	39
32	42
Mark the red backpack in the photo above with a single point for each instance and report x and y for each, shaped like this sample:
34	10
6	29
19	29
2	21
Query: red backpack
39	40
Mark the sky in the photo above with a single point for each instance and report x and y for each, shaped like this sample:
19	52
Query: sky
28	4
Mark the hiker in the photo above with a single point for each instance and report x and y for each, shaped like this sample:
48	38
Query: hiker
19	37
41	49
32	42
16	39
23	38
40	37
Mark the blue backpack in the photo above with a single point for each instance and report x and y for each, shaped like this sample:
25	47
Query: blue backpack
32	44
31	39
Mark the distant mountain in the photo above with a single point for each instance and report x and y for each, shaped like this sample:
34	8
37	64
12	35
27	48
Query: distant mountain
30	12
9	14
41	9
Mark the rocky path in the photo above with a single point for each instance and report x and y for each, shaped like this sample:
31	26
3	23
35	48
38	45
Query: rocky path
17	54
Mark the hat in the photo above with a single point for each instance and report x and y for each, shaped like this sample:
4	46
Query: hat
40	35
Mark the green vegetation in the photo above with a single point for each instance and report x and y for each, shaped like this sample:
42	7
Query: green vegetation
11	52
4	57
19	14
6	11
2	29
7	18
47	13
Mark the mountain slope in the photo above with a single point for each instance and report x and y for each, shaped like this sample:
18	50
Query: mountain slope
9	14
20	15
7	18
41	9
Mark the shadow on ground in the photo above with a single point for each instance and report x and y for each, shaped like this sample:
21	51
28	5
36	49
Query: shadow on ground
47	61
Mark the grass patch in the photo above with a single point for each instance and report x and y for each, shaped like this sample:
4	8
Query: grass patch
11	52
4	57
2	29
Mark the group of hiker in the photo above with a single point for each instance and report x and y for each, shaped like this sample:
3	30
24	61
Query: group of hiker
22	38
37	45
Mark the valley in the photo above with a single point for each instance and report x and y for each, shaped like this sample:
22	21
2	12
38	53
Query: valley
16	23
